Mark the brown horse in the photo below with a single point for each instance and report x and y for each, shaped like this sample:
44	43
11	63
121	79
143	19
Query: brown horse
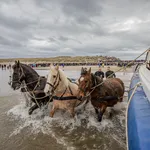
103	93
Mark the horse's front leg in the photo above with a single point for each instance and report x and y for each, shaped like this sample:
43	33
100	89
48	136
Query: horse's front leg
52	112
87	101
28	101
101	112
32	109
96	110
72	113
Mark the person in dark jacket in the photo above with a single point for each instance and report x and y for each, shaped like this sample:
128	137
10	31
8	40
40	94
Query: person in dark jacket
110	73
100	73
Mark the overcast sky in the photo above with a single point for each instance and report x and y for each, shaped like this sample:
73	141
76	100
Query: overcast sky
47	28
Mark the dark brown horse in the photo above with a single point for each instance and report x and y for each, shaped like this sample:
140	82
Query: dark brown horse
103	93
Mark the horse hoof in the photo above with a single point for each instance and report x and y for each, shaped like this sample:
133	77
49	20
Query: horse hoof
51	115
99	119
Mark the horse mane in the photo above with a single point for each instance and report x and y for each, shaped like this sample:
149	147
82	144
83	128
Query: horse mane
64	78
29	70
95	79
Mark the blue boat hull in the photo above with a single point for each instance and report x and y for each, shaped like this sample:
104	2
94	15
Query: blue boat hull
138	118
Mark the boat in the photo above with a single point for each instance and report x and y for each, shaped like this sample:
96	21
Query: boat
138	110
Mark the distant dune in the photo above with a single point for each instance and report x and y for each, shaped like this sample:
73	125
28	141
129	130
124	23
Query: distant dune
60	59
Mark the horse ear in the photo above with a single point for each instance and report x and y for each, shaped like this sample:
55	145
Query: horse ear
82	69
18	63
89	71
57	67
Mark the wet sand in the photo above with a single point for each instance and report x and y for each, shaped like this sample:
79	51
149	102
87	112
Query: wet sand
19	131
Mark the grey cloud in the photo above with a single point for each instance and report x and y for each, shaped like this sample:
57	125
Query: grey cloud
17	24
7	42
52	39
62	38
85	27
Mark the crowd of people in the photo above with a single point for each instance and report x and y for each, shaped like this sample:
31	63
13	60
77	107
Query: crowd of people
4	66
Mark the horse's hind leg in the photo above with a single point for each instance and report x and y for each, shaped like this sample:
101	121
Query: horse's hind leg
110	112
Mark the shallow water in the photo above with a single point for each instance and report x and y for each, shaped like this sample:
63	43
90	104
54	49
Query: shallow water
19	131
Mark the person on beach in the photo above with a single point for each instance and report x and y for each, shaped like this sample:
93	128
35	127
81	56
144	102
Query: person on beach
110	73
100	73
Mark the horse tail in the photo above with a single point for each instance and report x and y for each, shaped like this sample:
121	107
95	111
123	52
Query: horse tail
123	88
121	82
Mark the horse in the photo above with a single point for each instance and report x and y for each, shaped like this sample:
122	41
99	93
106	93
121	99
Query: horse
103	93
63	90
25	75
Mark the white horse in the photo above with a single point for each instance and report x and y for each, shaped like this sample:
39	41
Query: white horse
63	90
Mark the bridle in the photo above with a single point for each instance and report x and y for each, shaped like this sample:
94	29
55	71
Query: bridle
87	85
20	77
56	83
94	83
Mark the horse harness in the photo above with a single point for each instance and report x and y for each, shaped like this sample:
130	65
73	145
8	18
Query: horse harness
66	97
54	86
95	83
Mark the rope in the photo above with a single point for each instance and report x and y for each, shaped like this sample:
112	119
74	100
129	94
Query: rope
36	100
129	101
33	92
119	70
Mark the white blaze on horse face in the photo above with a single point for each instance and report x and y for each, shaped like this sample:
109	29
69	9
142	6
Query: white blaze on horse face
81	79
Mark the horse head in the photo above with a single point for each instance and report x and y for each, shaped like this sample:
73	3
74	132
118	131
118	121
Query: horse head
17	76
56	80
23	72
85	83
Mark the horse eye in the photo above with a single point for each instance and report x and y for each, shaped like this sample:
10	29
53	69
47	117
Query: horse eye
54	76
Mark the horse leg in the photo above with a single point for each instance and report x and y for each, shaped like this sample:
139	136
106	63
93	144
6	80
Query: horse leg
52	111
87	101
27	101
101	112
96	110
121	99
73	113
32	109
110	112
30	102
